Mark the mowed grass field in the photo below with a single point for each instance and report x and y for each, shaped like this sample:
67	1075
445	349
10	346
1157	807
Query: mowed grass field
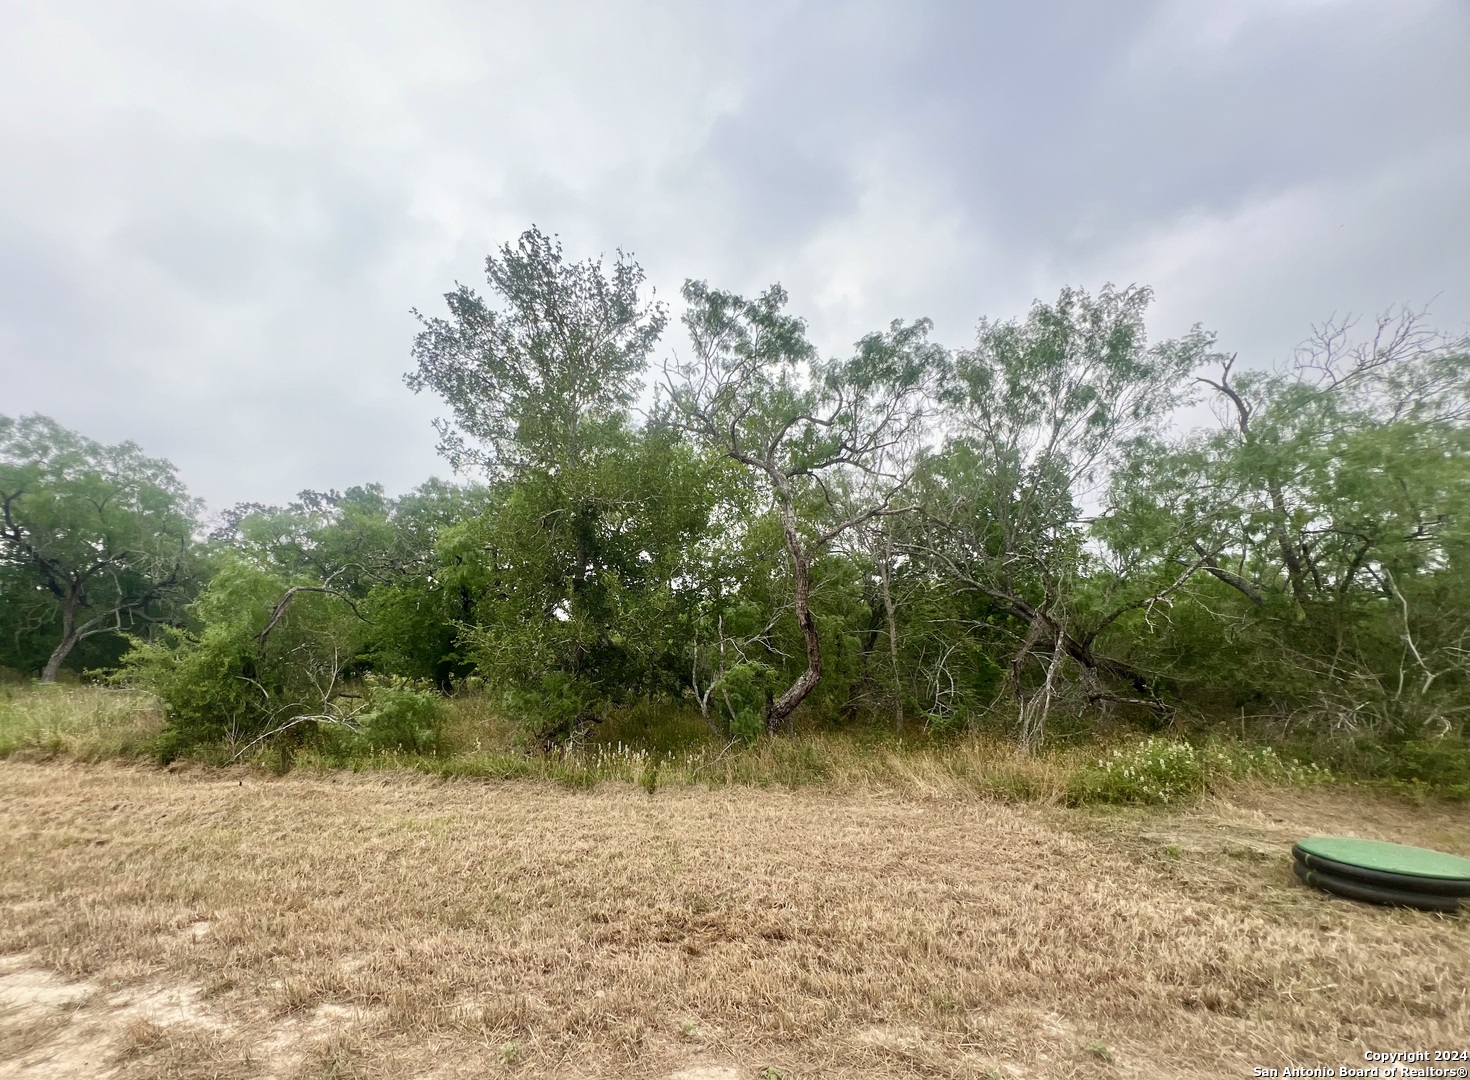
229	923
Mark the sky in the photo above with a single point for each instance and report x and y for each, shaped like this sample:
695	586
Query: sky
215	218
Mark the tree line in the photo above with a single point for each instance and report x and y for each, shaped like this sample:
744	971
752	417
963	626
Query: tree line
1013	534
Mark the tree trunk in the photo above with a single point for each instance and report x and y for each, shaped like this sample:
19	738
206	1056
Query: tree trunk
53	665
1294	571
892	638
783	706
69	639
1033	712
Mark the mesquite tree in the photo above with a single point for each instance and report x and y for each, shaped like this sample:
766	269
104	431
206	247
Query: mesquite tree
1037	411
1330	509
98	536
832	440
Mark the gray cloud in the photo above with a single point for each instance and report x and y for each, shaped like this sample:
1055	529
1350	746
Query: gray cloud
215	218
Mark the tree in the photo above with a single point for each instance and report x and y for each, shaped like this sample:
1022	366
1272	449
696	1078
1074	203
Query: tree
1037	412
392	557
583	521
101	534
263	658
586	588
1329	510
830	439
534	383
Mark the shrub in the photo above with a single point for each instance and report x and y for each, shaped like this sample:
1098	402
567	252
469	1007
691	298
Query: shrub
744	690
402	715
227	680
558	710
1426	766
1156	771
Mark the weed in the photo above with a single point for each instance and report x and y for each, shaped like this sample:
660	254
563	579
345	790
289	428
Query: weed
1166	772
86	723
338	1058
140	1037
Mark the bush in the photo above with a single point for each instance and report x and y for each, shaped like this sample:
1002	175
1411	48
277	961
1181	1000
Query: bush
558	711
1155	772
207	678
745	689
1423	766
402	715
221	681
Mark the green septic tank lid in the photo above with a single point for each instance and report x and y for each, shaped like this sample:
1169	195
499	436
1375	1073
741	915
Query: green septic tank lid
1390	858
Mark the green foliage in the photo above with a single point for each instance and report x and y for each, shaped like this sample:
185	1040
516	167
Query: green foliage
542	381
1441	766
558	709
661	726
401	715
404	562
744	690
1158	771
94	540
905	542
1327	517
204	676
259	657
588	593
1165	772
831	443
1417	765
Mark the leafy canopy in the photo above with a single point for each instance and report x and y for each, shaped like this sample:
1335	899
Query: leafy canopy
534	382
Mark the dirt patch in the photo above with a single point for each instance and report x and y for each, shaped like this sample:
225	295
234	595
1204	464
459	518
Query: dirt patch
52	1027
315	926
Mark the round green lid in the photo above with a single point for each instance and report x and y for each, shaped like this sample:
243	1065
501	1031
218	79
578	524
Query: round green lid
1390	858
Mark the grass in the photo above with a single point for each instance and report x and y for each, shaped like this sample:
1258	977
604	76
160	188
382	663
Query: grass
673	750
76	722
209	922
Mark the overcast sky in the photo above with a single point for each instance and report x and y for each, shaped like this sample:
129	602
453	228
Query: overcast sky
215	217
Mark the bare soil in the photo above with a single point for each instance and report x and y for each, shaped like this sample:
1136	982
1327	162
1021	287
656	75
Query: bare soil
230	924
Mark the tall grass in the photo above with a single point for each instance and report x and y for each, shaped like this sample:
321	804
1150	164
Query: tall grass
658	747
84	723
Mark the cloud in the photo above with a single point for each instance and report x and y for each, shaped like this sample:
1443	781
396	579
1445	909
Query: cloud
215	217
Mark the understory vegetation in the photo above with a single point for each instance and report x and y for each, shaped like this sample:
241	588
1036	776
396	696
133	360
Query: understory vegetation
468	736
1009	565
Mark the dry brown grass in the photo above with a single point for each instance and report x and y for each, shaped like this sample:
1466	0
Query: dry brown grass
208	923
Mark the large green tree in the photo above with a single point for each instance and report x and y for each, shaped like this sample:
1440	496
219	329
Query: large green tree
1329	509
537	382
1038	412
94	539
833	441
572	558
